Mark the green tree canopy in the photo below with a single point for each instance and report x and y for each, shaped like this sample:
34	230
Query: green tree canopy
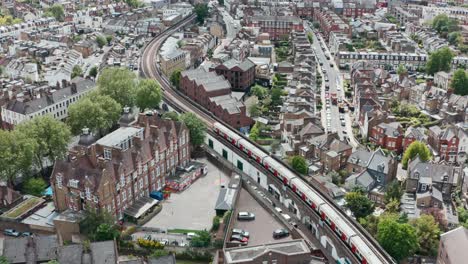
444	25
93	72
109	39
455	38
459	82
299	164
16	154
76	71
393	190
119	84
259	91
134	3
393	206
175	78
55	11
106	232
370	223
101	41
254	131
96	112
171	115
148	94
221	2
202	239
414	149
439	60
50	136
401	69
359	204
398	239
92	220
159	253
4	260
34	186
276	94
202	11
428	233
196	127
255	110
463	216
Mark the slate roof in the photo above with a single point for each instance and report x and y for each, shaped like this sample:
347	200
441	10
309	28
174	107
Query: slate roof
455	243
209	80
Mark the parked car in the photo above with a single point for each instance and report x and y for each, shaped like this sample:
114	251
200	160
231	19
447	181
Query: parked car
245	216
11	232
242	232
190	235
26	234
280	233
239	238
164	241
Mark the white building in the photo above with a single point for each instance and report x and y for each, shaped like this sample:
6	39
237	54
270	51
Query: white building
54	103
22	69
60	65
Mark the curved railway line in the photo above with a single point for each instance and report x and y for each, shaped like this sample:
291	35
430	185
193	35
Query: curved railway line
180	102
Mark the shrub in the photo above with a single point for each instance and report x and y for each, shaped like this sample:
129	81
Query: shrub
216	222
149	244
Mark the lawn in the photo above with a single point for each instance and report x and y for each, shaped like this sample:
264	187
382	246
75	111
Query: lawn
182	231
23	207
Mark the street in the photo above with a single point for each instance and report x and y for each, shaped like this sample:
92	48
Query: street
330	114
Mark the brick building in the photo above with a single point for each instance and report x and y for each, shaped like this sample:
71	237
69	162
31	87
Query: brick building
213	92
388	135
121	168
451	246
276	26
241	75
331	22
444	141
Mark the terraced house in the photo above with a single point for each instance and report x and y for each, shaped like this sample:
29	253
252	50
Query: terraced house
118	172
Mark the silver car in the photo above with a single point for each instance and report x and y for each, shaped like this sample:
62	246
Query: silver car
245	216
242	232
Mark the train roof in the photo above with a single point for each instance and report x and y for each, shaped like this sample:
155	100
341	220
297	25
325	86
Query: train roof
365	251
254	149
338	220
307	190
228	131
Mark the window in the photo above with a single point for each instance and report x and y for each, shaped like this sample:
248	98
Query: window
118	200
124	195
423	187
107	154
88	193
73	183
184	152
152	174
152	163
158	172
122	180
156	156
140	168
59	181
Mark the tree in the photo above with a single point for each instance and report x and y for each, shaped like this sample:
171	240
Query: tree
202	12
4	260
93	72
299	164
34	186
56	11
196	127
50	136
417	148
459	82
370	223
109	39
276	94
393	206
134	3
201	239
148	94
259	91
255	131
170	115
119	84
106	232
96	112
16	154
439	60
393	191
463	216
175	78
359	204
209	53
455	38
428	233
92	220
76	71
221	2
310	37
444	25
401	69
398	239
255	110
101	41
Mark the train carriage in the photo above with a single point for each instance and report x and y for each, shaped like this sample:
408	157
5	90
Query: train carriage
251	150
341	228
362	251
306	193
226	133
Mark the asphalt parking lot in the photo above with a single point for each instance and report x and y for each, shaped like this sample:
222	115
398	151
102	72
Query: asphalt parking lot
193	208
261	229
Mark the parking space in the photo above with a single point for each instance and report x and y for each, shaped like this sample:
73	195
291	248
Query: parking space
261	229
194	207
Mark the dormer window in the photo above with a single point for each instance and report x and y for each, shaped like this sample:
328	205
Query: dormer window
107	154
423	187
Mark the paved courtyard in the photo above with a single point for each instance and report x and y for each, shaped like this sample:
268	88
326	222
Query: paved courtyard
193	208
261	229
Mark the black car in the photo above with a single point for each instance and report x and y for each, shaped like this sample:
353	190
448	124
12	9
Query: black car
280	233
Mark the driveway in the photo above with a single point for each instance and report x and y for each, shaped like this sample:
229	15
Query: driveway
193	208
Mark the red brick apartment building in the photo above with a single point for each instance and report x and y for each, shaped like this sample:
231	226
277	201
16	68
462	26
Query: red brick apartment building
241	75
444	142
213	92
388	136
123	167
276	26
330	22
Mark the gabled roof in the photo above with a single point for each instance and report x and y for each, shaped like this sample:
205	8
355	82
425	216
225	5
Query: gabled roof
455	243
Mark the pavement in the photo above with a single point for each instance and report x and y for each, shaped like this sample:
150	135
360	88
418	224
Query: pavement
193	208
261	229
331	121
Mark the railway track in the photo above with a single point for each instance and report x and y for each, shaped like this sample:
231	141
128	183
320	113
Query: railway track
181	103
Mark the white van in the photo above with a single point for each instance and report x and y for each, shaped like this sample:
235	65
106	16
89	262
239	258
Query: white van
190	235
277	209
286	217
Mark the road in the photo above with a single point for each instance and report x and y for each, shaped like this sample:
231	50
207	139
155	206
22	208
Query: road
331	117
232	25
